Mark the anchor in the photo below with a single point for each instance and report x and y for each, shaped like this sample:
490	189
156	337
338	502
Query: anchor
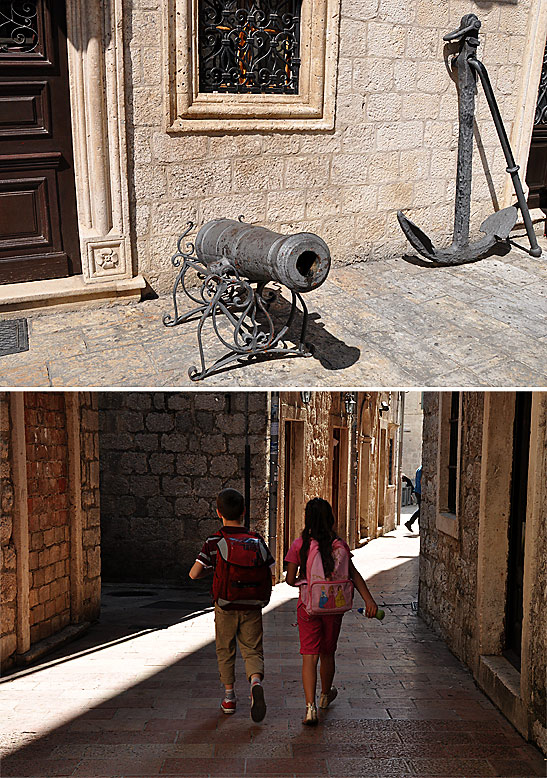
497	227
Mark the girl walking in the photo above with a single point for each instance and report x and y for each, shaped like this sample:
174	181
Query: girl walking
319	633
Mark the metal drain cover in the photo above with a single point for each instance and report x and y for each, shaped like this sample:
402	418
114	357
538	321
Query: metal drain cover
13	336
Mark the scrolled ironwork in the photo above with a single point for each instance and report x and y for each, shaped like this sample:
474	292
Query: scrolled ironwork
541	105
18	27
233	305
248	46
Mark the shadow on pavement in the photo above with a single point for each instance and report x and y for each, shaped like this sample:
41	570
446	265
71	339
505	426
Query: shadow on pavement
406	705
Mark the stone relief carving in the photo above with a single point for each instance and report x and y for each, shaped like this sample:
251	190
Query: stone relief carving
106	259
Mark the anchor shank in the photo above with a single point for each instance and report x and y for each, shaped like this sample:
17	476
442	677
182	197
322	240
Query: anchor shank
466	104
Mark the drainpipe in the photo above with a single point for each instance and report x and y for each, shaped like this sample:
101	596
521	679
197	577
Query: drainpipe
401	420
274	474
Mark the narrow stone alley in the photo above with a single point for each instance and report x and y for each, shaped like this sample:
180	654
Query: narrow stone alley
139	695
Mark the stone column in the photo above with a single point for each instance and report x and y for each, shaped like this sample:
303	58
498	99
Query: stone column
96	67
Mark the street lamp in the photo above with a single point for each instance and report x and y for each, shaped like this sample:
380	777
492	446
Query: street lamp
350	402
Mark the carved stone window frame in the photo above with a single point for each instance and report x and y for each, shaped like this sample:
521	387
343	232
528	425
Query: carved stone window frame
188	110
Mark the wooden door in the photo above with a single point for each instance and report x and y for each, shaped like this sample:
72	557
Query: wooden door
38	220
517	527
293	505
536	172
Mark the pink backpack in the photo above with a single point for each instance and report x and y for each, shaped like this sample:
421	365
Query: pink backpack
327	596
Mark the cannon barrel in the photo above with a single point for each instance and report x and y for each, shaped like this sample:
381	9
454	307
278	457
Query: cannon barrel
300	261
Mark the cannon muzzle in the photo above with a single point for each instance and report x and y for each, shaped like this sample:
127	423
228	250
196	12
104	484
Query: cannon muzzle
300	261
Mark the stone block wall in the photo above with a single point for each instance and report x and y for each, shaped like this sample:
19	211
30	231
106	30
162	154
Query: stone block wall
90	505
50	534
412	435
464	579
164	458
393	144
448	566
48	513
8	585
538	607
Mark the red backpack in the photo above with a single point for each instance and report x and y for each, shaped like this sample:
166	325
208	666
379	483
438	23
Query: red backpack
242	576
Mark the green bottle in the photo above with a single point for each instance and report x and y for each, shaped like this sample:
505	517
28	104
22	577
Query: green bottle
379	613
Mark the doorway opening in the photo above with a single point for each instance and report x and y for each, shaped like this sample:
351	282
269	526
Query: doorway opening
517	528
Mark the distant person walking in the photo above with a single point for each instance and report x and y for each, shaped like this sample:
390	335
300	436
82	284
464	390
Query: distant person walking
418	492
320	554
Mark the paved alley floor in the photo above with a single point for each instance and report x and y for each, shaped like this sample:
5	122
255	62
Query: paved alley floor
385	323
139	695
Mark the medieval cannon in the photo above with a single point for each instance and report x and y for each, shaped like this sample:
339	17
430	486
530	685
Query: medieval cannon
234	262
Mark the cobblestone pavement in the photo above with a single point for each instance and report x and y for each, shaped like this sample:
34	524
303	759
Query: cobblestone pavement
139	696
389	323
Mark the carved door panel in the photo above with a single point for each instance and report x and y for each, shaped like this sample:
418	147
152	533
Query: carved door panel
536	173
38	221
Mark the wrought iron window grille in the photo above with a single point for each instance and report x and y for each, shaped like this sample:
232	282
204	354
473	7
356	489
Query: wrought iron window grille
18	27
249	46
541	106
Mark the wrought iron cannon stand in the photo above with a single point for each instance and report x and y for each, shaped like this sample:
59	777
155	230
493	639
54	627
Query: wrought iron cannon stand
240	304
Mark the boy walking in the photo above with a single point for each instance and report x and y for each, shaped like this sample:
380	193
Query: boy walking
242	584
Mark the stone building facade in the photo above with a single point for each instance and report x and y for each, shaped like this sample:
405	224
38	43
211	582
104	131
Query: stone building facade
388	140
483	570
372	127
412	434
344	447
50	521
164	458
166	455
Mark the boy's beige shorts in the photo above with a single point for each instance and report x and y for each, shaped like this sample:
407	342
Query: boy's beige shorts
246	627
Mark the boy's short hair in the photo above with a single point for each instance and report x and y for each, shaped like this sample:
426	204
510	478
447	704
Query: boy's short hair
230	504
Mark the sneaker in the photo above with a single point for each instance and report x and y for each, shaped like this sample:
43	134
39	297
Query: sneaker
408	525
310	719
326	699
258	704
228	706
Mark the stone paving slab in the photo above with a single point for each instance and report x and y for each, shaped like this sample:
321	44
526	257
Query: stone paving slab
391	323
126	701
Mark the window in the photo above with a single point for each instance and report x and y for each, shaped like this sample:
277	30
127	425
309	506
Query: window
390	462
238	65
448	462
249	46
453	424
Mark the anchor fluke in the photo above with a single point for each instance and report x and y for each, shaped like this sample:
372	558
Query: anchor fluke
417	237
496	229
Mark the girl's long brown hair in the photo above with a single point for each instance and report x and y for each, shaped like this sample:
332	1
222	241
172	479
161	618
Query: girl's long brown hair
318	525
